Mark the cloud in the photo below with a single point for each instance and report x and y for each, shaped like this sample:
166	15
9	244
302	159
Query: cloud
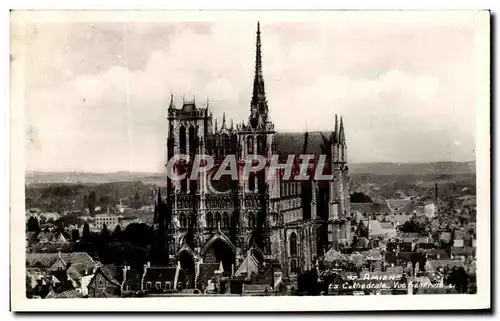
104	88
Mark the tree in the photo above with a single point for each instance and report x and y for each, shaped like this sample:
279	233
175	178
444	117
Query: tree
85	202
137	203
359	197
412	227
137	233
105	233
104	200
86	232
59	225
459	278
472	288
33	225
75	235
91	200
117	234
29	289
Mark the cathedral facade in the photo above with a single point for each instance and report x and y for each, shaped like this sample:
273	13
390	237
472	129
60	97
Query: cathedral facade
284	222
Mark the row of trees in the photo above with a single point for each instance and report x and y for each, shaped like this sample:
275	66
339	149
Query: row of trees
132	245
80	197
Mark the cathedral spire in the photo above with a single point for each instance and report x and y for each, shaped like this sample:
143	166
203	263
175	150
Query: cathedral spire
259	104
258	55
223	120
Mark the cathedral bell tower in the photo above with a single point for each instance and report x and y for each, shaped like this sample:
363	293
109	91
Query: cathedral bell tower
339	204
258	107
256	138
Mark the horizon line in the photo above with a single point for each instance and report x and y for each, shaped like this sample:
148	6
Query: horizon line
154	172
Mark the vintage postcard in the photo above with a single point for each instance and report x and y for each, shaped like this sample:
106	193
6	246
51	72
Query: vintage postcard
201	161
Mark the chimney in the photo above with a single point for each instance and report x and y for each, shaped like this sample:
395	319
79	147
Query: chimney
144	272
197	272
219	271
124	276
221	268
177	271
436	191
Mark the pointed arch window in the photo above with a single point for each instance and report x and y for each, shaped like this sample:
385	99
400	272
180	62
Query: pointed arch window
261	145
210	220
182	139
183	221
250	145
225	220
226	141
184	184
293	243
192	140
293	266
193	185
217	219
251	181
251	220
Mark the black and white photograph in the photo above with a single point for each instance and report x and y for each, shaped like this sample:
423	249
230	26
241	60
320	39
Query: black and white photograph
168	156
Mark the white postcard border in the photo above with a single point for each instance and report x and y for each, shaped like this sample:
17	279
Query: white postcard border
19	302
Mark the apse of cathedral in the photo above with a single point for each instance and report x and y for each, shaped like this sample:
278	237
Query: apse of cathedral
280	222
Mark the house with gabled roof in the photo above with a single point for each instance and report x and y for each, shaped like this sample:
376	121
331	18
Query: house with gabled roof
205	273
69	294
161	279
249	267
332	256
130	279
103	284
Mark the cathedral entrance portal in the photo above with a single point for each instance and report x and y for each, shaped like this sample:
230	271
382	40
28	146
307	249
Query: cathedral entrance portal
218	250
186	259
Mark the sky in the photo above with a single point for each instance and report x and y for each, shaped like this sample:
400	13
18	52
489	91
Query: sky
96	92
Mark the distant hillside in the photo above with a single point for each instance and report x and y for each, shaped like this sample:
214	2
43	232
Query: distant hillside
414	169
33	178
435	168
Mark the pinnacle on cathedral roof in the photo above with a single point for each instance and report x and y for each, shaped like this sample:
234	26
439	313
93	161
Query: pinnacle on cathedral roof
336	132
341	132
171	105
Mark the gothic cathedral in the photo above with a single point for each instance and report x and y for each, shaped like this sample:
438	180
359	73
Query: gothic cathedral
285	223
